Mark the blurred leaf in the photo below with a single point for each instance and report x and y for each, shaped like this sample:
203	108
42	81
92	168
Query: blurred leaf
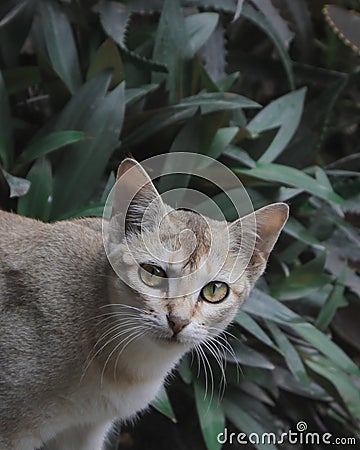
302	280
284	112
37	202
189	137
226	83
81	168
248	356
14	29
264	306
135	94
293	177
18	186
6	138
346	25
239	7
172	48
245	422
83	103
60	44
107	57
334	301
210	102
223	138
115	18
239	155
163	405
211	416
199	28
295	229
278	23
247	322
155	124
342	382
291	356
262	22
18	79
46	144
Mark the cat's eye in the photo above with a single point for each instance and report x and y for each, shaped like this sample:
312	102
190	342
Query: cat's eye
215	292
151	275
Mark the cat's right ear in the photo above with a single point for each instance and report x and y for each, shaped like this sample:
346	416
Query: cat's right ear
136	199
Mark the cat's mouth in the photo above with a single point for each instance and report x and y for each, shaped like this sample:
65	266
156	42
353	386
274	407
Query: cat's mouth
175	339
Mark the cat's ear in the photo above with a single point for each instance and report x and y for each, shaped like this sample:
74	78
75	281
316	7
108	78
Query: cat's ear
263	225
135	194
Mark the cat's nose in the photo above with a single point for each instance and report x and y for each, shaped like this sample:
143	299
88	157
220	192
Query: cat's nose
177	323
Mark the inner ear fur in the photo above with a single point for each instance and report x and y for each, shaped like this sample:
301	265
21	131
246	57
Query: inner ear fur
268	223
134	193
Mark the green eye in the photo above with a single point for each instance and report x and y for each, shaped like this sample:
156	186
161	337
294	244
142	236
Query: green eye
152	276
215	292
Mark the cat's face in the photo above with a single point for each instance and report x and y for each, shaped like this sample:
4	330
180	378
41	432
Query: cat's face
186	275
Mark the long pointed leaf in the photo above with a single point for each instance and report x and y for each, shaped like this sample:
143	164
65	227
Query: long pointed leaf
60	44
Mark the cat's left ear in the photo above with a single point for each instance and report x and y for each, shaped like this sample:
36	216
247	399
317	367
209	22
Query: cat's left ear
265	226
134	194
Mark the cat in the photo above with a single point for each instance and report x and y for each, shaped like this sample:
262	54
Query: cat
80	346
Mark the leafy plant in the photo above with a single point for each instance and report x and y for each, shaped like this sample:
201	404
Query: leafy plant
82	86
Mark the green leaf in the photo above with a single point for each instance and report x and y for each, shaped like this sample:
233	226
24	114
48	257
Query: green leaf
115	19
107	56
295	229
37	202
291	356
262	22
6	137
172	48
223	138
60	44
211	416
83	103
248	356
284	112
163	405
134	94
302	280
264	306
15	24
216	101
335	300
18	186
46	144
243	421
292	177
80	169
199	28
342	382
247	322
225	84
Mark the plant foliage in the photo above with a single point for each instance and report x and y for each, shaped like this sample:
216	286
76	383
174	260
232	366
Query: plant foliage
84	83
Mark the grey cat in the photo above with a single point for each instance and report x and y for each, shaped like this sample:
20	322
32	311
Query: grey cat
80	346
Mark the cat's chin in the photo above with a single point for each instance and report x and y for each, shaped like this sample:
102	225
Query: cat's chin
175	341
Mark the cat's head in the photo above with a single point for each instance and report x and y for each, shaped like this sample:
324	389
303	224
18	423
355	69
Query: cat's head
184	274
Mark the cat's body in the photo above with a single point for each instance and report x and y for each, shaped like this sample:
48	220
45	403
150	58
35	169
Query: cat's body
70	363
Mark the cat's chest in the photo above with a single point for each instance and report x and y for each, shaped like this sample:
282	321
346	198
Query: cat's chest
92	404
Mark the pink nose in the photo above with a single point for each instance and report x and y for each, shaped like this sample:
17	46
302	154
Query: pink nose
177	324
